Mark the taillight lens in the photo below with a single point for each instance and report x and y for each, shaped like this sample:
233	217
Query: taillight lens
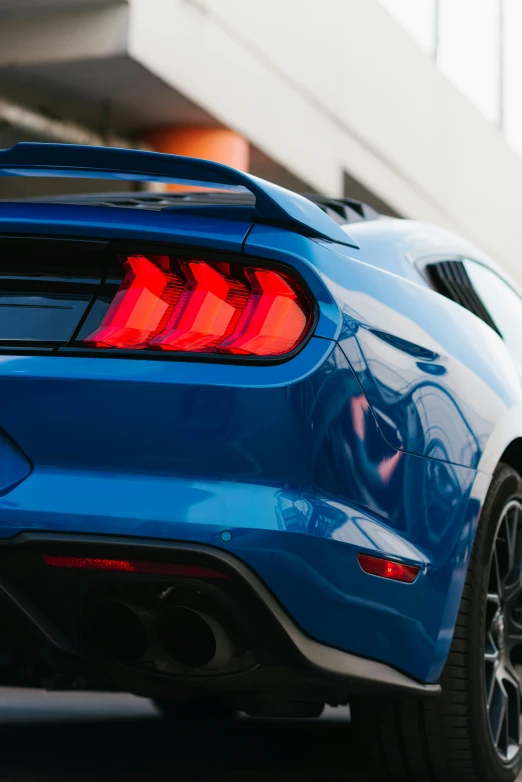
204	307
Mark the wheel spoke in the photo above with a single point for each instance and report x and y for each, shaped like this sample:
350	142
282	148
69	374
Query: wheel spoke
503	740
497	711
511	676
490	685
511	589
511	685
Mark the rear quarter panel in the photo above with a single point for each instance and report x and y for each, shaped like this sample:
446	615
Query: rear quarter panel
440	382
442	387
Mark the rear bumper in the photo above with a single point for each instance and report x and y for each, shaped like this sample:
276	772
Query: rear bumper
294	659
302	545
290	461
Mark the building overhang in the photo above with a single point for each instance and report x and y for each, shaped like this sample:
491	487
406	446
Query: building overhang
322	94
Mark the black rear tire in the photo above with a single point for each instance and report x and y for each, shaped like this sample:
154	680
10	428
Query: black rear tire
450	738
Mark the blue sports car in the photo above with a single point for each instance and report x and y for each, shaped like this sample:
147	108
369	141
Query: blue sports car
261	453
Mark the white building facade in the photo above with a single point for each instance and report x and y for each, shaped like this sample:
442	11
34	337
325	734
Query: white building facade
383	100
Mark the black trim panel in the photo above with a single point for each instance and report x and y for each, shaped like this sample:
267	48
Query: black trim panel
314	660
451	279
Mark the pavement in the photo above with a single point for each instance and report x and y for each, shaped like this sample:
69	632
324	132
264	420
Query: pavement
91	737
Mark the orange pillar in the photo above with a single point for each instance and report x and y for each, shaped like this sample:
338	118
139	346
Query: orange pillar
217	144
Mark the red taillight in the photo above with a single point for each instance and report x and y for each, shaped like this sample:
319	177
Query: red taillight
203	314
204	307
386	568
132	566
272	321
139	309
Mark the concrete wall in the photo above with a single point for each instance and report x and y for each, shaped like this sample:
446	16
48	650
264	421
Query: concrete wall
337	85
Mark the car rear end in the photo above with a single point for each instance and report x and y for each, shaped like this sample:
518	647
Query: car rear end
171	508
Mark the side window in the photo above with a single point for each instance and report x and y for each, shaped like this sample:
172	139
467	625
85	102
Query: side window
502	303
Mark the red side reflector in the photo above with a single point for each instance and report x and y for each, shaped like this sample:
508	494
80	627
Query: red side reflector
386	568
132	566
206	307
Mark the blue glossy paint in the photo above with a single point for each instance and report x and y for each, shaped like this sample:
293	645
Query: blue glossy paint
433	394
15	465
379	436
301	477
273	203
92	221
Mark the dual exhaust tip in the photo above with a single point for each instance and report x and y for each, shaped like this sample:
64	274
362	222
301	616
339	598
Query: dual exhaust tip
190	638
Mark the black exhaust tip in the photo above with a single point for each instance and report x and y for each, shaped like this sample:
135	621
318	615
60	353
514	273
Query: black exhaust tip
115	629
187	637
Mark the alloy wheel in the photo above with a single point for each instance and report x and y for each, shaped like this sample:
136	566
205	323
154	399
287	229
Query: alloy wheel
503	631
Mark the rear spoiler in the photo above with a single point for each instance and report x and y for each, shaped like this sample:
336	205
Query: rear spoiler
274	204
